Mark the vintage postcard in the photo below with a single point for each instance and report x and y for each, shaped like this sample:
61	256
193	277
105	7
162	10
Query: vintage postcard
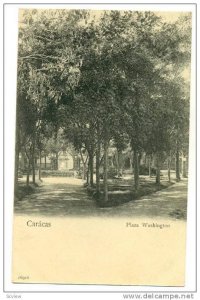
102	147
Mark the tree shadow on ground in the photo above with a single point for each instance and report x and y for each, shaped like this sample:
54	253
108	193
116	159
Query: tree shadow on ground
73	200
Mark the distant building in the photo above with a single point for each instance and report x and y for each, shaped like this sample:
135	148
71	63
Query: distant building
65	161
122	162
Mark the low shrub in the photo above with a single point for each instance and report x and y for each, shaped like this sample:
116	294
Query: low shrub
144	170
24	190
112	173
114	199
120	197
57	173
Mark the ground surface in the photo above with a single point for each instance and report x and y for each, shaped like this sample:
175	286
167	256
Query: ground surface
67	197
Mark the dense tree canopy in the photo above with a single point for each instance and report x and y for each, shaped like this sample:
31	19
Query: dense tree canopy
113	79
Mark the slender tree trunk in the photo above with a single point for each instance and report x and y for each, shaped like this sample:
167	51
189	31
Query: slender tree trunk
56	165
88	174
98	165
22	162
120	168
91	168
158	168
28	167
136	169
131	163
178	178
139	161
169	168
45	162
40	167
56	144
105	170
101	160
84	162
149	160
137	131
28	173
184	169
33	162
33	170
84	171
117	161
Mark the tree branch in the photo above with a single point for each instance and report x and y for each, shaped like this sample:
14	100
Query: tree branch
38	56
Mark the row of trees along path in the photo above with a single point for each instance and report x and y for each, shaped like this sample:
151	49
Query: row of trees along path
114	78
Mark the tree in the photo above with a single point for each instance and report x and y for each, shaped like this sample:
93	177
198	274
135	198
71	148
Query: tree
116	80
47	72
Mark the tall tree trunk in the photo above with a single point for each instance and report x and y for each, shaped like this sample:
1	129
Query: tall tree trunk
56	164
158	168
137	131
120	167
139	161
98	165
28	167
105	170
33	171
91	168
84	163
117	161
178	178
33	162
184	168
88	173
136	169
45	161
131	163
149	160
40	163
169	168
56	147
28	173
84	171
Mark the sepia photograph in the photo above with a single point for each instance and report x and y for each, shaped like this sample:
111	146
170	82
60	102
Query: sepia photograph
102	147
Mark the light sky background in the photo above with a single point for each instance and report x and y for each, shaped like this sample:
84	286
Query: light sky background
168	16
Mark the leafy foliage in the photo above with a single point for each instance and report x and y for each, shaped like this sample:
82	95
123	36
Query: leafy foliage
117	78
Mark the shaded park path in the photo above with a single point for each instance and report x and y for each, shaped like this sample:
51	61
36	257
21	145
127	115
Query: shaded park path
67	197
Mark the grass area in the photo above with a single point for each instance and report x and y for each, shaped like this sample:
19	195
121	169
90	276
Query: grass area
22	190
122	190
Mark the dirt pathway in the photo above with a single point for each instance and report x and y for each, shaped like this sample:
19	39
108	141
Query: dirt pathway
170	202
67	197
